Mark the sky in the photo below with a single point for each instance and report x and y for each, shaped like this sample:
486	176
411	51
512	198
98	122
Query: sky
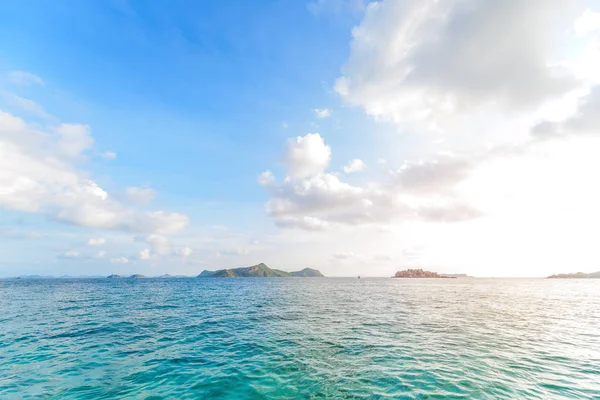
352	136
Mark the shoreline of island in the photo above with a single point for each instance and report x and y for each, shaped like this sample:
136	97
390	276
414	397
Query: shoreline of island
423	274
576	275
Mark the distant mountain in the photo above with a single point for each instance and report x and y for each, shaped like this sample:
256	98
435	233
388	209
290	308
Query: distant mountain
258	271
167	276
418	273
113	276
137	276
576	275
35	277
308	272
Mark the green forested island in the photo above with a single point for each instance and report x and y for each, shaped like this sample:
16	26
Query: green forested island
576	275
419	273
258	271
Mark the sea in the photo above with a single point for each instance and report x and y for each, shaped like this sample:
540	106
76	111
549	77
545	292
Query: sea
299	338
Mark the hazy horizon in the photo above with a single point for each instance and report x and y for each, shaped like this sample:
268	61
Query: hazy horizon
350	136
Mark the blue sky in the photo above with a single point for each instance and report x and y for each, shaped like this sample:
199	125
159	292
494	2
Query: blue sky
179	107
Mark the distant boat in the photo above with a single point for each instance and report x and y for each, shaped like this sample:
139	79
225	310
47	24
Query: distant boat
359	277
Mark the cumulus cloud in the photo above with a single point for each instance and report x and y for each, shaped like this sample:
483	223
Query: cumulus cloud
27	105
119	260
304	222
317	199
307	155
588	22
322	113
159	244
96	241
145	254
421	60
139	195
24	78
585	120
434	175
100	254
184	252
355	165
109	155
40	173
265	178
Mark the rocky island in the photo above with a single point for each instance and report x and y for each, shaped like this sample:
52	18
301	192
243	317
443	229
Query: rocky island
258	271
576	275
419	273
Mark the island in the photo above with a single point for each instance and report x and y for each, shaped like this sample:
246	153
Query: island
114	276
259	271
137	276
576	275
420	273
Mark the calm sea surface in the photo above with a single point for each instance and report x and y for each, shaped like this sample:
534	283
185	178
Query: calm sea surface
300	338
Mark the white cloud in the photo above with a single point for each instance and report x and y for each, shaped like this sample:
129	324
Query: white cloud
159	244
109	155
265	178
29	106
585	120
145	254
426	60
139	195
588	22
69	254
39	173
433	176
318	200
307	155
303	222
96	241
73	139
100	254
355	165
24	78
322	113
119	260
184	252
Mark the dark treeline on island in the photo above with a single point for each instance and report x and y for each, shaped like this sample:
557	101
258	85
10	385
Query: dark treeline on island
576	275
259	271
420	273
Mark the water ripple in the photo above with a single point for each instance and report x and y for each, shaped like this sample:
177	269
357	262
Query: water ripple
299	338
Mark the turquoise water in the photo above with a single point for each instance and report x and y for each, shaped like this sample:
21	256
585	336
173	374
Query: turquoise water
299	338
